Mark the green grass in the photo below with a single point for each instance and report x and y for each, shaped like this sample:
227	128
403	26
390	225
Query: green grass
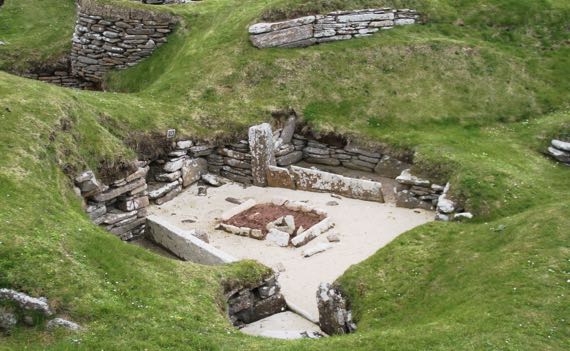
478	103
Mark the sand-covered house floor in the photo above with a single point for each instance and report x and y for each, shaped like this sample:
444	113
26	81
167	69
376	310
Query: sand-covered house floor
362	226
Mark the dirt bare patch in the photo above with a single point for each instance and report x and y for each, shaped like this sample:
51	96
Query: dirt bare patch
259	216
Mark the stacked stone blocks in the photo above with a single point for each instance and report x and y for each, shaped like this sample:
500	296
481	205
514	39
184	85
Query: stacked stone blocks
335	26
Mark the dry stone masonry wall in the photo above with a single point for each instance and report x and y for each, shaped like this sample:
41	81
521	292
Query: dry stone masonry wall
59	74
108	37
268	158
339	25
248	305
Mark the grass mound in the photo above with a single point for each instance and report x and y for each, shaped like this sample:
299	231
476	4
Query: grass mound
477	93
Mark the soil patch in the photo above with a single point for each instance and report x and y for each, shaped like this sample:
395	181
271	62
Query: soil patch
259	216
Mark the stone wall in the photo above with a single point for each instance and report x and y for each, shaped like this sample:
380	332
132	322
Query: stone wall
59	74
339	25
109	37
247	305
119	207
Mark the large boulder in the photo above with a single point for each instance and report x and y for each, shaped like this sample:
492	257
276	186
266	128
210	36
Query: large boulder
335	316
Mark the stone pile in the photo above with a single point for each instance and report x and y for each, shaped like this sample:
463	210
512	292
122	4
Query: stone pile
17	307
109	37
252	304
415	192
335	316
335	26
119	207
560	151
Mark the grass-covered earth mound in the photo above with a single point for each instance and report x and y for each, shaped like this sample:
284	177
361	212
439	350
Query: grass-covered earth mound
477	92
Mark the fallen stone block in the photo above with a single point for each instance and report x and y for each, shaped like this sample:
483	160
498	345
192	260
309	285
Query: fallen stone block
317	249
278	237
184	244
313	232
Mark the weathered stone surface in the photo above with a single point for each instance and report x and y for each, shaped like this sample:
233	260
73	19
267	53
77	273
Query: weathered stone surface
133	204
390	167
192	170
315	180
335	316
333	238
96	210
280	178
184	244
116	216
289	129
366	17
332	27
184	144
260	28
321	247
83	177
359	165
140	173
263	308
116	192
290	158
212	179
278	237
407	178
174	165
261	145
561	156
313	232
26	302
462	216
282	37
406	199
159	190
63	323
8	320
328	161
168	177
118	39
561	145
171	195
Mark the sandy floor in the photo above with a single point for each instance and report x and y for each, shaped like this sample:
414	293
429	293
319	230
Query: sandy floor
363	228
286	325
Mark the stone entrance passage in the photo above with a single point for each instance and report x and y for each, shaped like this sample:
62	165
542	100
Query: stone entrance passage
360	229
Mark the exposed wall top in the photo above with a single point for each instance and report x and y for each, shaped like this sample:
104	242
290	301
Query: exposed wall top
339	25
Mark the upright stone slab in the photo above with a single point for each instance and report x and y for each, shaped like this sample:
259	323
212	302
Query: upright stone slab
262	151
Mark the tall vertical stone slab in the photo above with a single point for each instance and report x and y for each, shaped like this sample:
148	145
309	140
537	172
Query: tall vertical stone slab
262	152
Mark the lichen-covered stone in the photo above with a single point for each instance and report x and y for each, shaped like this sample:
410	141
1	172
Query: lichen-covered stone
335	316
263	156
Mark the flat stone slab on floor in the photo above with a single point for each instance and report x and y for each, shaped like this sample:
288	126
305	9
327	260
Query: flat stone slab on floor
363	228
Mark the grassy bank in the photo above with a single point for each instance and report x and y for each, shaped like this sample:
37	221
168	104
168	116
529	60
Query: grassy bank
478	103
